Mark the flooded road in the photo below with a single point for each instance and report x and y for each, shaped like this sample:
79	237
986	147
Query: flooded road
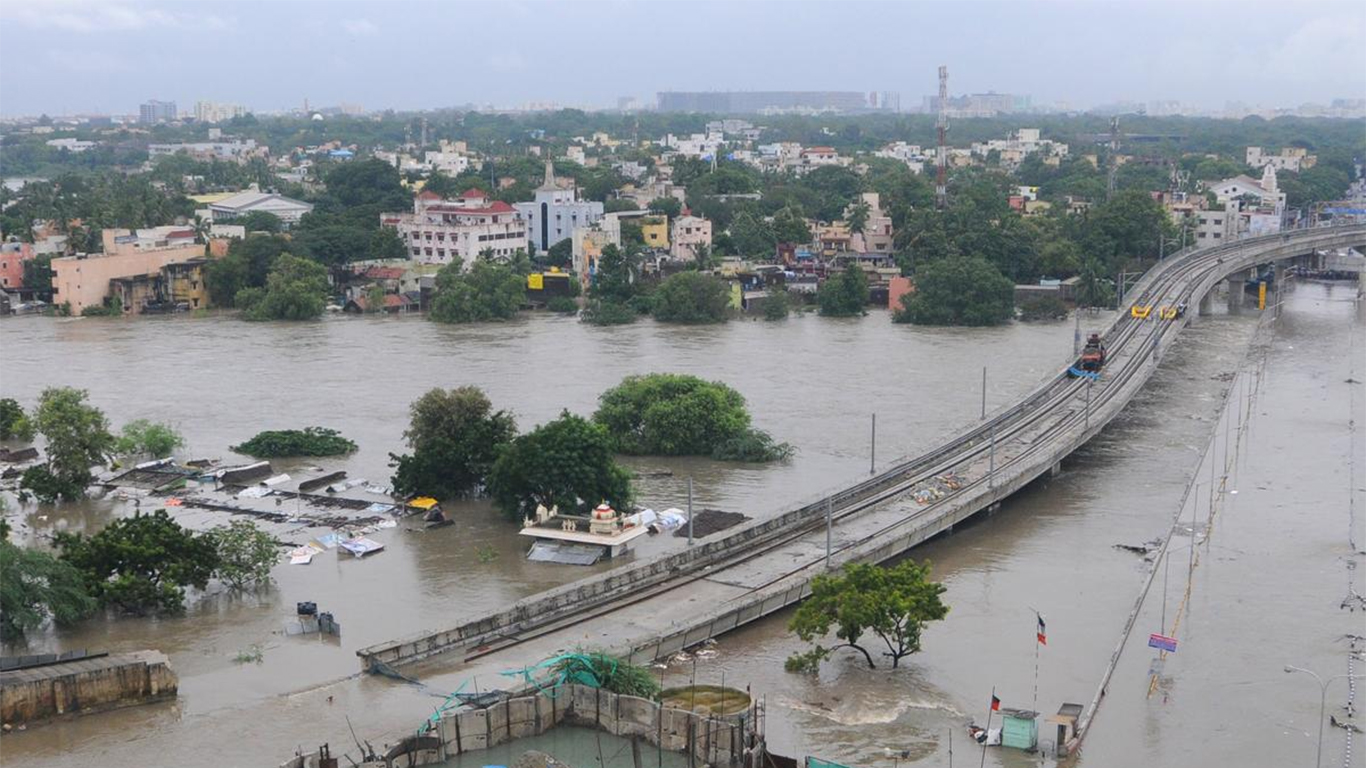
810	381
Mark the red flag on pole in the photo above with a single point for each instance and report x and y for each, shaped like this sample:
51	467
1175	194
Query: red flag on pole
995	703
1043	635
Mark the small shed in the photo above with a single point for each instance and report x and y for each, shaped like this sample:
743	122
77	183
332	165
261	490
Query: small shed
1019	729
1066	723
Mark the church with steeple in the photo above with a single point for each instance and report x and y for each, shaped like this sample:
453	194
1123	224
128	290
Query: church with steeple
556	212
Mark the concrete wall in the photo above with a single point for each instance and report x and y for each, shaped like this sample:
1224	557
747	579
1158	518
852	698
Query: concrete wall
83	686
713	741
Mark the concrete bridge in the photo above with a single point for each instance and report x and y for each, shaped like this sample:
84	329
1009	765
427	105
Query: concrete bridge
656	607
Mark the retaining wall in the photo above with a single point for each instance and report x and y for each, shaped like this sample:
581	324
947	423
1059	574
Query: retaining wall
89	685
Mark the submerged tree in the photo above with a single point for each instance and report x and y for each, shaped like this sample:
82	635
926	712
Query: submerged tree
568	462
245	553
455	436
147	438
141	564
77	437
894	603
35	587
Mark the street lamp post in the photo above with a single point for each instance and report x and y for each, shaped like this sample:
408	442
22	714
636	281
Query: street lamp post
1323	700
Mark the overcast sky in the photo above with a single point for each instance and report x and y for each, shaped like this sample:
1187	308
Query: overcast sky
70	56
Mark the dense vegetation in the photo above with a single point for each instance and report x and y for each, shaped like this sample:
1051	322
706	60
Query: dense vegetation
487	291
143	438
678	415
455	436
691	298
567	463
310	441
844	294
958	291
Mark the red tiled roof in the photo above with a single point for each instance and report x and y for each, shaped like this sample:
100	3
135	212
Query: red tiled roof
384	273
472	192
427	194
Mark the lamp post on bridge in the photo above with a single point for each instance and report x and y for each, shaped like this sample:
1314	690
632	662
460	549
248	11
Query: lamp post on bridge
1323	699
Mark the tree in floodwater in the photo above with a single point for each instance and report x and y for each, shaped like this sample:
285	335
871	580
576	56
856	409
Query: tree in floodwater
141	437
77	437
14	425
245	553
894	603
958	291
142	564
455	436
35	586
567	463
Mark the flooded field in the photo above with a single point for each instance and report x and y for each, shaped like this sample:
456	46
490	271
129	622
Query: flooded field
810	381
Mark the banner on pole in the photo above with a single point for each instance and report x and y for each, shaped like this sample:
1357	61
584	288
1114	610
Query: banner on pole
1162	642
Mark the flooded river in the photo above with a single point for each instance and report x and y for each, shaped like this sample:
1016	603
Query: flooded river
810	381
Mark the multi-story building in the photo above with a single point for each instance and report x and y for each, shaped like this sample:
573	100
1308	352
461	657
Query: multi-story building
235	149
215	112
452	158
876	236
812	158
71	144
1020	145
12	257
655	231
84	281
1288	159
688	234
154	111
439	231
556	212
588	243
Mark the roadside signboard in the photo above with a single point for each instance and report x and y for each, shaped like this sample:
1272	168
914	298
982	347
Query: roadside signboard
1162	642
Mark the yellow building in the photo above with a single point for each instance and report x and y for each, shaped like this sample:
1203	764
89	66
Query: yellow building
184	283
655	230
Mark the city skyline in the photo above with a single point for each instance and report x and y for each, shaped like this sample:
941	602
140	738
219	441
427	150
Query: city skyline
76	57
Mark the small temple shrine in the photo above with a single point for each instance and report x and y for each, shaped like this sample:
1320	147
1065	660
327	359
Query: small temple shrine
579	539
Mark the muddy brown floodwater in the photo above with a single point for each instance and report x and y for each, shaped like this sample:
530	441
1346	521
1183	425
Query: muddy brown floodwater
810	381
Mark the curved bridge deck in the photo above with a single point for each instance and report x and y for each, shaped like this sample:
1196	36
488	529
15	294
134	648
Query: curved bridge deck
662	605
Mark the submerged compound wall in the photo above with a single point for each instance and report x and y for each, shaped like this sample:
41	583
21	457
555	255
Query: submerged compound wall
713	741
87	685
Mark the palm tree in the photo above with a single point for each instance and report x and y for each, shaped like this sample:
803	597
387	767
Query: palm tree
858	217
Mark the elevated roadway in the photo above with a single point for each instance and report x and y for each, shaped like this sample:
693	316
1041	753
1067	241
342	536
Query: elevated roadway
651	609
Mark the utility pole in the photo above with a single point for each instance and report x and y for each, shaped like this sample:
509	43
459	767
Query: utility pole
991	462
690	511
829	525
1076	332
872	454
941	189
984	391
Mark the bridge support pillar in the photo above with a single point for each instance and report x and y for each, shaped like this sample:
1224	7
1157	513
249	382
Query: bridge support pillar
1055	470
1206	303
1235	294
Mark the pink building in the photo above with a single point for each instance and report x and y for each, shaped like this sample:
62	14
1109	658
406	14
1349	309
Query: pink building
12	258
